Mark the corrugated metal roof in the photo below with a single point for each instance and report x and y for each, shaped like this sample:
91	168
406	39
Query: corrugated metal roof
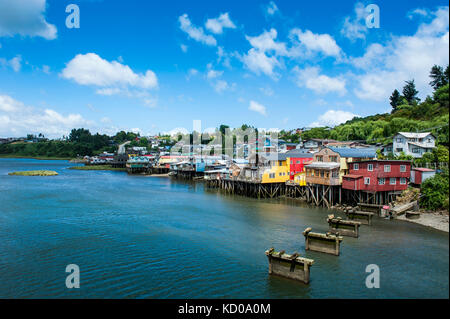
325	165
355	152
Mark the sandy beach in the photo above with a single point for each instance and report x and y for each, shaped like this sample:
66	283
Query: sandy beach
430	219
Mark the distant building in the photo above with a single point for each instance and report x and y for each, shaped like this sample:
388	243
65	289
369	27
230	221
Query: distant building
316	143
414	144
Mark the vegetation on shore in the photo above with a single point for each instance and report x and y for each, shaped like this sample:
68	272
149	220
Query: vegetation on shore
435	192
35	157
98	168
34	173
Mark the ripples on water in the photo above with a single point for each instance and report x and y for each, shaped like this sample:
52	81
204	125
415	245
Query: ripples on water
149	237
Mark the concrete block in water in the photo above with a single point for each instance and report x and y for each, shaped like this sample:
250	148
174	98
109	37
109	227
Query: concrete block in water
362	217
343	227
289	266
325	243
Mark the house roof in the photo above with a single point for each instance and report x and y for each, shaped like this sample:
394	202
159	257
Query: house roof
414	135
423	169
354	152
420	145
324	165
298	153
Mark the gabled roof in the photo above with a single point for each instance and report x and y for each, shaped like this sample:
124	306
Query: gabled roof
414	135
355	152
419	145
299	153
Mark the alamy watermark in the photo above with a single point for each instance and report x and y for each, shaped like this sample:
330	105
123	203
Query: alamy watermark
373	279
373	16
73	279
73	19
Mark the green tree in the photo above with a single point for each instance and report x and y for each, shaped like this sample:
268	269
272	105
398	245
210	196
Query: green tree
435	192
395	100
410	92
438	77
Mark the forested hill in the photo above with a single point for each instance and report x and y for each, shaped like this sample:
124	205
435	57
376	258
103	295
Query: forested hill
408	114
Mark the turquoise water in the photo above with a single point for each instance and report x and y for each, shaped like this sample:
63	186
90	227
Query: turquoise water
150	237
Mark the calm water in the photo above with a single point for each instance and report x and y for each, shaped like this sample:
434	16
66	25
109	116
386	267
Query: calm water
150	237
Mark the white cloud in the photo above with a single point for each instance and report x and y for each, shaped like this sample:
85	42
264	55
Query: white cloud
257	107
417	12
91	69
16	119
313	42
404	58
258	62
46	69
355	27
217	25
311	78
14	63
196	33
184	48
267	91
265	42
332	118
272	8
25	18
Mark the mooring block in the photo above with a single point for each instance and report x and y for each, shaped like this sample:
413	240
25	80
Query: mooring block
325	243
343	227
289	266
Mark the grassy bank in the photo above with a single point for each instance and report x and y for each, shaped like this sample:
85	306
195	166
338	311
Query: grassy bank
34	173
35	157
98	168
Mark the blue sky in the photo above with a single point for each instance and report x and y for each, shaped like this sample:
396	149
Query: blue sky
153	66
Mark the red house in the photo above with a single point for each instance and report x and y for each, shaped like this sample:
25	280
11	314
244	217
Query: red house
377	176
296	160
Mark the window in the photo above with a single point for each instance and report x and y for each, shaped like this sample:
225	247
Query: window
333	159
322	174
335	174
387	168
320	158
399	140
298	162
381	181
416	150
403	181
370	167
392	181
402	168
366	180
292	162
399	149
280	174
356	167
272	175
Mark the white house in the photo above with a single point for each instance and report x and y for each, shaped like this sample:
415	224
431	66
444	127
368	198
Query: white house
414	144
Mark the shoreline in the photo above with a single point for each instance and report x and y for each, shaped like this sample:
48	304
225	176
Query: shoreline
430	219
41	158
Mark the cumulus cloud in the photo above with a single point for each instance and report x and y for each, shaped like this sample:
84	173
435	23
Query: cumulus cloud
17	119
332	118
25	18
317	43
195	33
258	62
91	69
404	58
311	78
184	48
264	54
217	25
354	27
257	107
266	42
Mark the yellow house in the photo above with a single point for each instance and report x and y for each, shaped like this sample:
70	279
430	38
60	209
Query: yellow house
278	172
